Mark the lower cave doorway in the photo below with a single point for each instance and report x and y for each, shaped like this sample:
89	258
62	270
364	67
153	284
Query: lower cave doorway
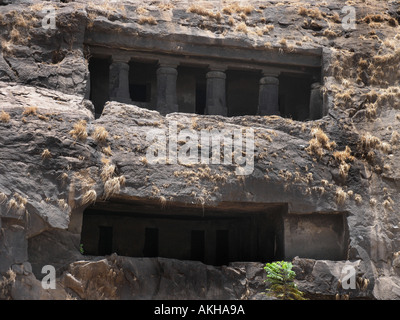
197	246
215	236
222	247
105	240
150	248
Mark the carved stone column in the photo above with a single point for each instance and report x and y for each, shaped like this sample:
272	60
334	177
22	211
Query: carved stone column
316	101
166	89
119	80
216	94
268	103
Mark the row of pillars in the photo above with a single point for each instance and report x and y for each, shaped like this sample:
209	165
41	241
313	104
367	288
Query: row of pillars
268	103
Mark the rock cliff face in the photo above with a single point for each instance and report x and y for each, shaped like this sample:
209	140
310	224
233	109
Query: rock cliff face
53	163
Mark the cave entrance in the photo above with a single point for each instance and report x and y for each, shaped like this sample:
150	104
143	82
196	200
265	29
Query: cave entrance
216	236
242	89
191	89
99	68
294	96
143	83
105	240
229	232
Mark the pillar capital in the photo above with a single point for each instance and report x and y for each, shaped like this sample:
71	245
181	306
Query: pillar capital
315	85
167	70
270	72
269	80
217	67
168	63
216	74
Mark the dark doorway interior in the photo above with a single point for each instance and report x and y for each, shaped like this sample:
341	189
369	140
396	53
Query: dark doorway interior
191	89
242	92
142	83
222	247
215	238
200	97
197	246
140	92
105	240
294	96
150	243
99	81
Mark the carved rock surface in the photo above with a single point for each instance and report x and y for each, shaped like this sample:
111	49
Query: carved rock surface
48	171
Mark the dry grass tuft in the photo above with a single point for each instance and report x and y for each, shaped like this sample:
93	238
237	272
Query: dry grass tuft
163	201
62	204
79	130
344	155
3	198
107	172
4	116
107	151
242	27
312	13
395	138
388	204
89	197
165	6
122	180
46	154
237	8
30	111
204	12
112	186
341	195
100	135
147	20
319	142
344	168
369	141
358	198
329	33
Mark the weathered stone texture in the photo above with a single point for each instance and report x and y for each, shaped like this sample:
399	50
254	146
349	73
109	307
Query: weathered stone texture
43	86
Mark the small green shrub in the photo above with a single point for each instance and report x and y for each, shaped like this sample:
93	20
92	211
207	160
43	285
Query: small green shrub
281	278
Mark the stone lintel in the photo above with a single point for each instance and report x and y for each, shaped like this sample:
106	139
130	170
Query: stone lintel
211	48
210	62
121	58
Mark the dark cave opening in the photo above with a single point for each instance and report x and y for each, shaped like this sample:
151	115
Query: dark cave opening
217	238
294	96
99	68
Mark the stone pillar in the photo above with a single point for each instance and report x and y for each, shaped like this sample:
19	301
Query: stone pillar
166	89
216	94
88	87
119	80
316	102
268	103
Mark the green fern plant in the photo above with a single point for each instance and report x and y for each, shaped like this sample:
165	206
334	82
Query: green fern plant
281	278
